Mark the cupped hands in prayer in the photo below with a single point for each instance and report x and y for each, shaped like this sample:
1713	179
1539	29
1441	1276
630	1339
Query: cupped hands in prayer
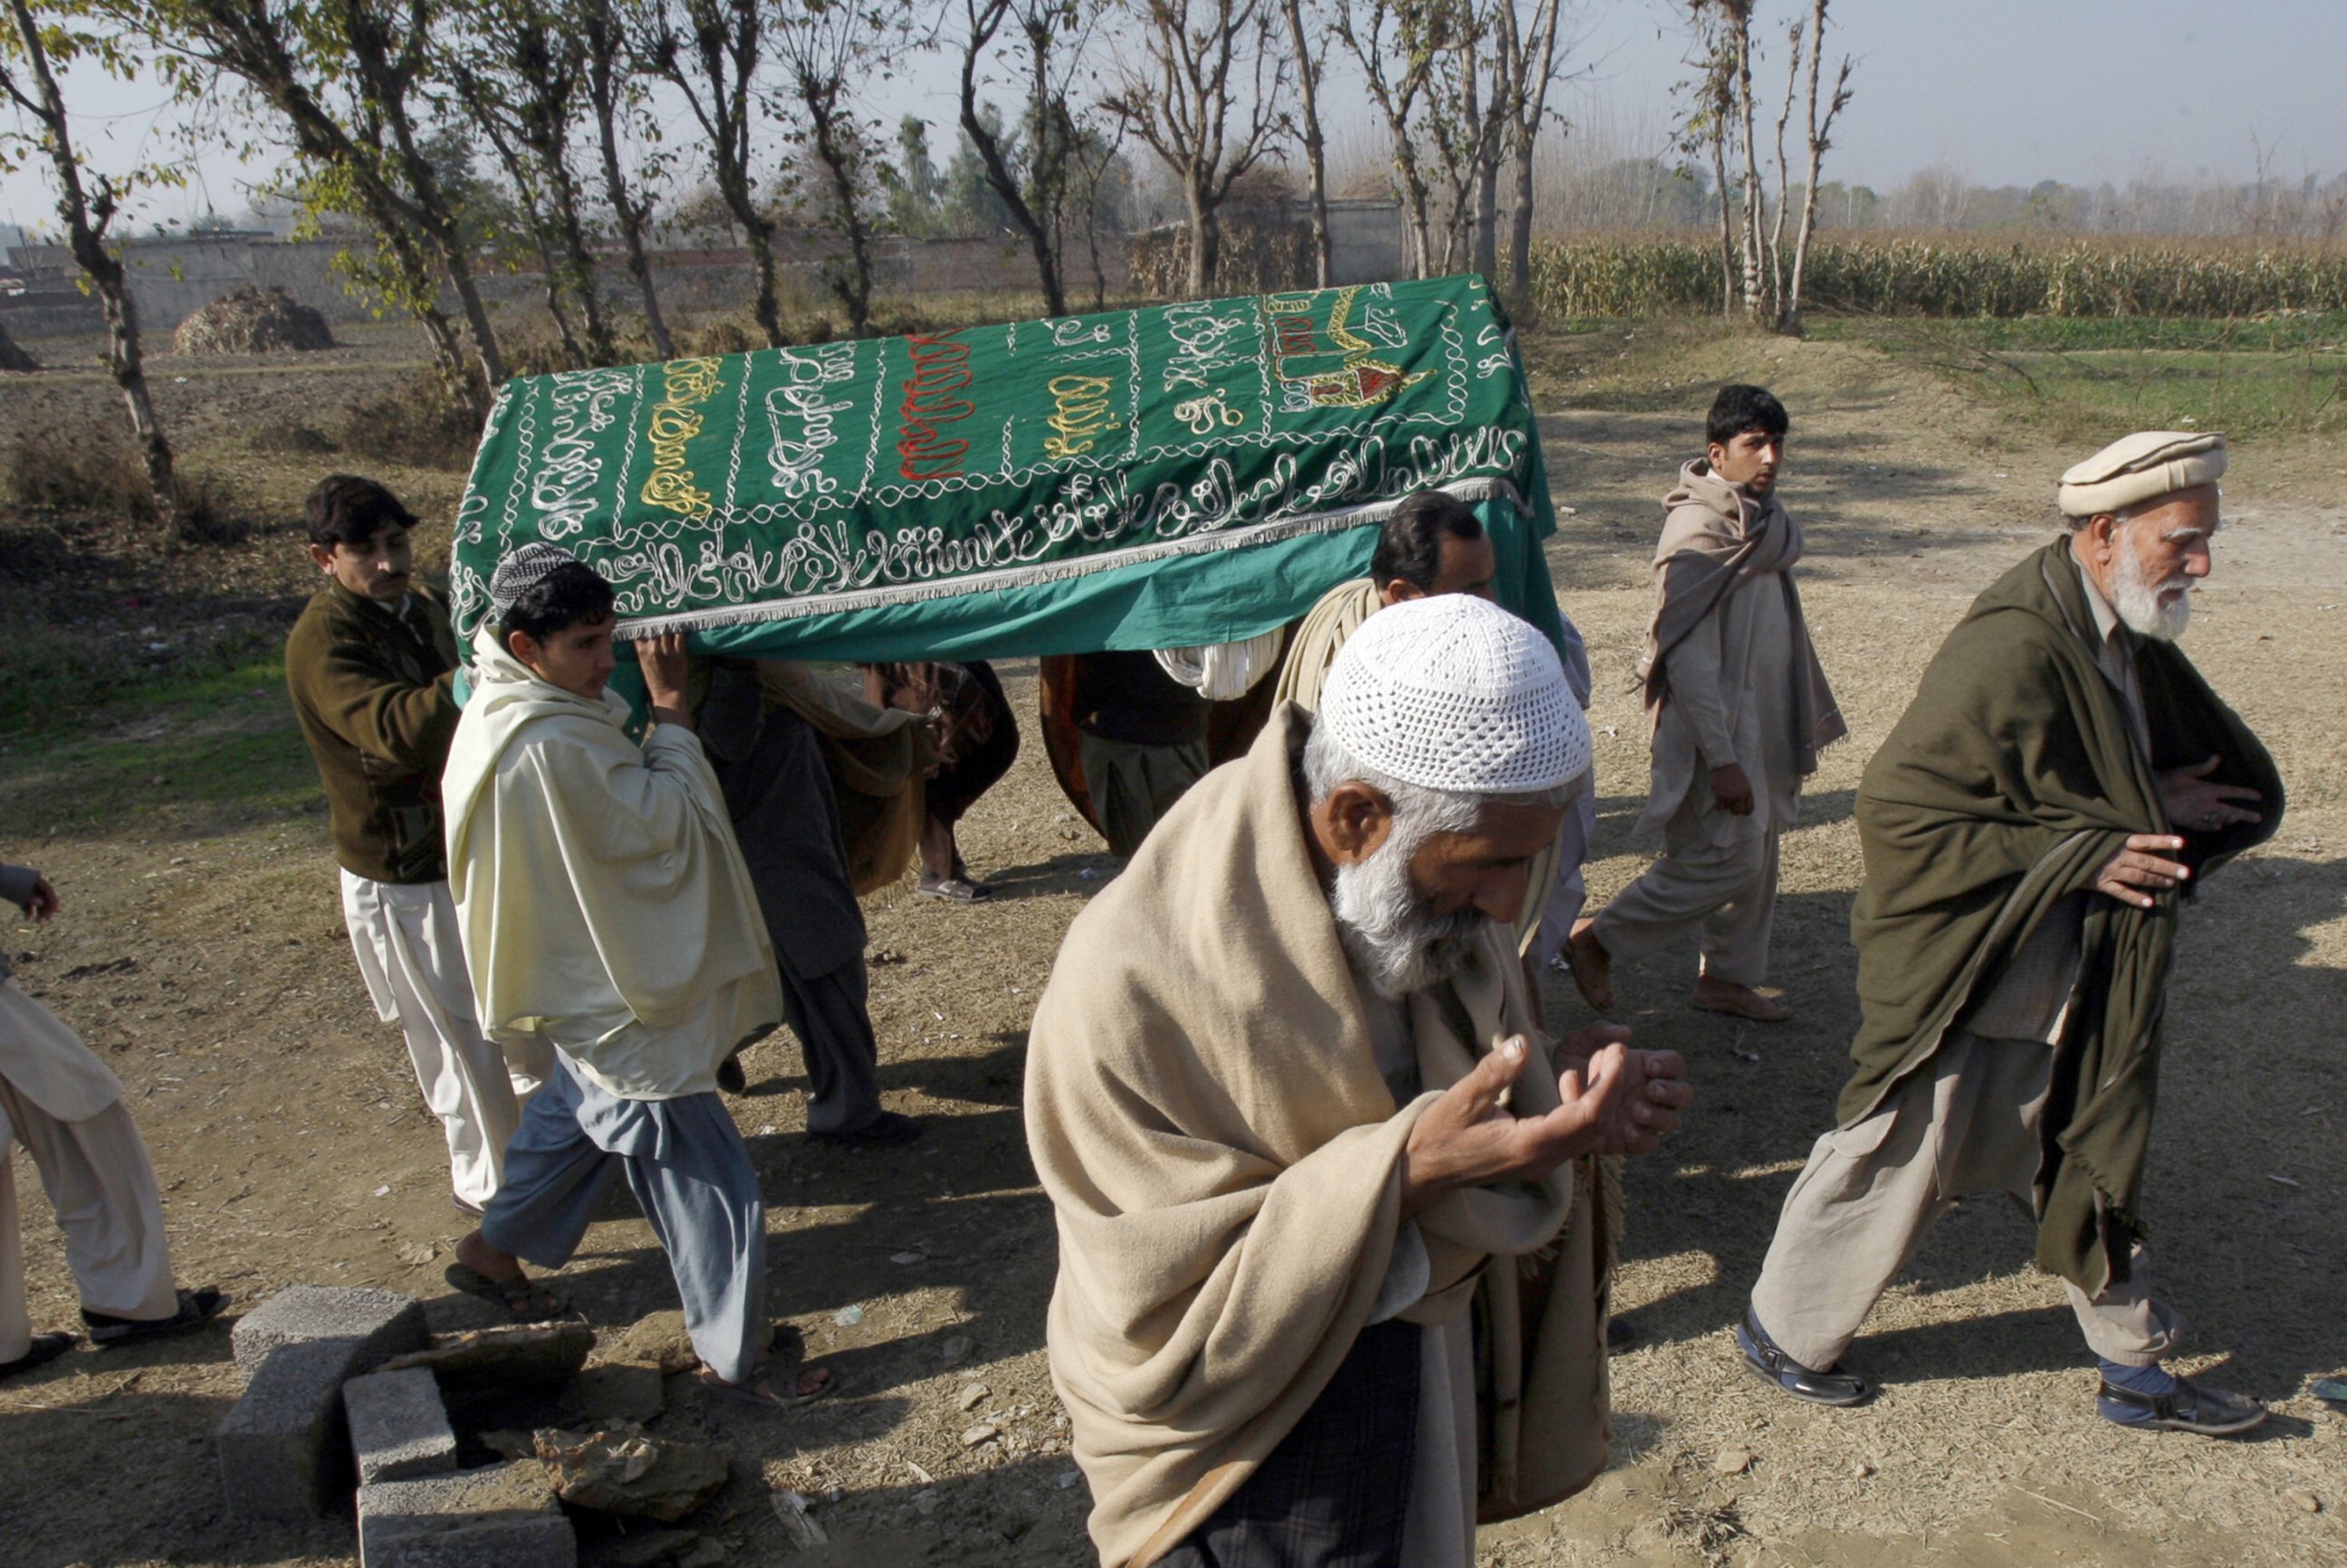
1616	1100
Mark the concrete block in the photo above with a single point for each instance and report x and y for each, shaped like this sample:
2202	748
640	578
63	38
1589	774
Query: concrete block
501	1517
385	1323
282	1452
399	1429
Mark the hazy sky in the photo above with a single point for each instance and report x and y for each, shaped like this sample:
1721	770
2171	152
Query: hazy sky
2006	91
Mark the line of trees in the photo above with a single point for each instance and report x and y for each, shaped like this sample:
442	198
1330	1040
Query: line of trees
384	111
1756	274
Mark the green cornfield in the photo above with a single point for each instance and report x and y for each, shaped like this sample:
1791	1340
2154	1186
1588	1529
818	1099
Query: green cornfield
1643	276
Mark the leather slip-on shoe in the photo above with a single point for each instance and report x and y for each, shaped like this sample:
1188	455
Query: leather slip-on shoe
2186	1408
1770	1365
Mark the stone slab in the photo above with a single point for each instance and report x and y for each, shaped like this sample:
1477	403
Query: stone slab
385	1323
399	1429
283	1451
504	1516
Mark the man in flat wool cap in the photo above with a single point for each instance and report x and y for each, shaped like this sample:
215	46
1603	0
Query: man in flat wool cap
2062	779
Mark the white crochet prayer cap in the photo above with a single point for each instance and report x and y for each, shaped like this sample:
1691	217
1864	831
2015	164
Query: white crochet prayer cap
1452	692
2141	467
522	571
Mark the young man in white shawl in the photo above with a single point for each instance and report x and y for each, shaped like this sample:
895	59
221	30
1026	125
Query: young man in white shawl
1306	1146
1737	709
605	908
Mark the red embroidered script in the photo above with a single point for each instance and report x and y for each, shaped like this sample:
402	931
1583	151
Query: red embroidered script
940	370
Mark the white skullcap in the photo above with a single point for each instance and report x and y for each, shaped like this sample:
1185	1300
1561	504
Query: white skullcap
1452	692
2141	467
522	571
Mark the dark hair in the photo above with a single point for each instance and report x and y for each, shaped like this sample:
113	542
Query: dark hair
1739	408
1410	546
563	598
345	509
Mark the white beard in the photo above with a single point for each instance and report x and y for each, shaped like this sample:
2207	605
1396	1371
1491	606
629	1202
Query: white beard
1395	940
2140	602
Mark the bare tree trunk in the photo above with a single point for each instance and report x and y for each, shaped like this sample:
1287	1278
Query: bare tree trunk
765	306
578	264
421	288
1206	239
1519	235
1819	138
574	353
1726	234
631	234
87	219
1315	150
1742	18
853	287
604	45
986	18
1784	189
486	348
124	359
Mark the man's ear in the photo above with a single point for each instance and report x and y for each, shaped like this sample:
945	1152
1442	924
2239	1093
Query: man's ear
526	647
2101	533
1400	589
1356	820
323	555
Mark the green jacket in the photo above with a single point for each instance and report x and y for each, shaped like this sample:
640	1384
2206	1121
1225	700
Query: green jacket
372	690
2014	775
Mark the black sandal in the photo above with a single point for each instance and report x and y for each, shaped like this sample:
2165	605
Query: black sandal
197	1307
44	1349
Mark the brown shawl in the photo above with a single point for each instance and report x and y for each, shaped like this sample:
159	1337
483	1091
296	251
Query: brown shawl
1715	538
1205	1114
878	758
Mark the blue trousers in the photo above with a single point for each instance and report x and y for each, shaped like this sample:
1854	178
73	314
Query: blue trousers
689	1171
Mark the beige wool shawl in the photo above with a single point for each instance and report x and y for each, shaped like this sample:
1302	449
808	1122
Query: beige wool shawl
1205	1112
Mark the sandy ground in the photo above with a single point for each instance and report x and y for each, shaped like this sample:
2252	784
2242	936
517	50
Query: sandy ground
202	952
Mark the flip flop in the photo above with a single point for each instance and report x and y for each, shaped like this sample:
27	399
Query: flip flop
197	1307
524	1302
761	1389
955	890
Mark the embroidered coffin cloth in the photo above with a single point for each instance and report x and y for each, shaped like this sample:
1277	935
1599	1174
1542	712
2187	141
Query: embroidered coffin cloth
1161	478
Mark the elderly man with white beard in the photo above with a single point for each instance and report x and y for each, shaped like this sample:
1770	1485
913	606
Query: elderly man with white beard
2062	779
1300	1129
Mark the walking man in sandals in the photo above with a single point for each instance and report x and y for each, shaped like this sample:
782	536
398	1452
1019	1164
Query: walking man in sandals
65	1106
1738	709
605	907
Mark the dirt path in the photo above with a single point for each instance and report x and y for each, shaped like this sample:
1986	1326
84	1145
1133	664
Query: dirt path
202	952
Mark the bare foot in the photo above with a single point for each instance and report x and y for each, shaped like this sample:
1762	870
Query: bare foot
1738	1002
1592	966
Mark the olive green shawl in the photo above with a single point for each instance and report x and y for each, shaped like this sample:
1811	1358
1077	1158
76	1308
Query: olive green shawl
2010	780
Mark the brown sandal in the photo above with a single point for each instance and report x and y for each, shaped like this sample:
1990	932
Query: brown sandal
523	1301
760	1388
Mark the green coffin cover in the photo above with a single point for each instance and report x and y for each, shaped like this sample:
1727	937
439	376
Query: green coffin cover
1161	478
